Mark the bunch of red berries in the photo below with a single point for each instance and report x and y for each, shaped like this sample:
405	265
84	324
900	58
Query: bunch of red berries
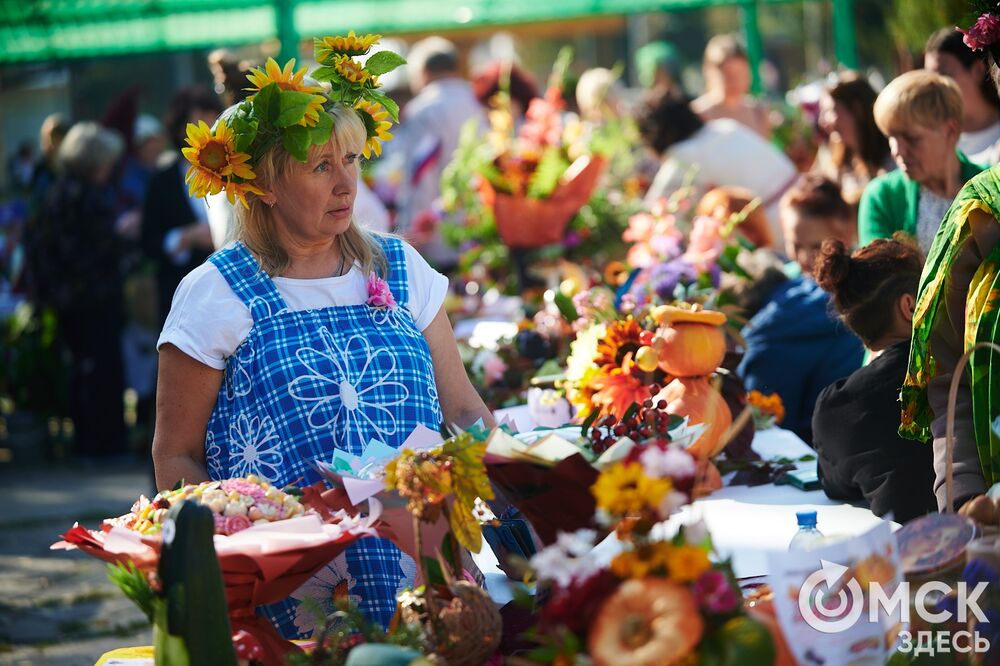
640	423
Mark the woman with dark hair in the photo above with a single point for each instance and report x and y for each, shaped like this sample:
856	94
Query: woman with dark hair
947	54
714	153
855	424
859	151
175	231
958	306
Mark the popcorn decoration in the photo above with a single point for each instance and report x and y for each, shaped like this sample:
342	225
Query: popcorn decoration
237	504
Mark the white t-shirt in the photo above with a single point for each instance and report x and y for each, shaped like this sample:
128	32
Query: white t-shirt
728	153
208	321
982	146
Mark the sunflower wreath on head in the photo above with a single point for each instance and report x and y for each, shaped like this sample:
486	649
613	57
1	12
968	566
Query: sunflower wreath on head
285	108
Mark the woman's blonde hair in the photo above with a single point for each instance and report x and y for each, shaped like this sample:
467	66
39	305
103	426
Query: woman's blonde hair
254	226
920	97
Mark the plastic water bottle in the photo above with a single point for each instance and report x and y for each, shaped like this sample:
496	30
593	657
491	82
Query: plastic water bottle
807	536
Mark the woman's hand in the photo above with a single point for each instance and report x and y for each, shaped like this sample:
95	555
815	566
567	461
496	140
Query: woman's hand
460	402
982	509
186	391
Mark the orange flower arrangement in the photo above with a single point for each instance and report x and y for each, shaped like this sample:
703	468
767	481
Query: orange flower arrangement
768	410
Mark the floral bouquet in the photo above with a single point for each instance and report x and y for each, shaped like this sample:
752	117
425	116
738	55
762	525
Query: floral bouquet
548	474
268	544
659	601
768	410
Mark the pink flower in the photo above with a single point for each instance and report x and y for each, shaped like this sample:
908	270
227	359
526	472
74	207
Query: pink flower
984	33
494	369
220	523
236	524
243	487
705	245
379	295
715	593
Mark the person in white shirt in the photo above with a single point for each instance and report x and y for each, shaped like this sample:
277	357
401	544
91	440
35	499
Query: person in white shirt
948	55
428	135
715	153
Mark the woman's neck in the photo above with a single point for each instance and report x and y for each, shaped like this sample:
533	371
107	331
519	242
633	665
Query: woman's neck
949	181
313	260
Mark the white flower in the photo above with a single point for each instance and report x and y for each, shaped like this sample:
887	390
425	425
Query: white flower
671	504
330	584
568	559
213	456
670	463
255	448
352	388
696	532
583	351
238	380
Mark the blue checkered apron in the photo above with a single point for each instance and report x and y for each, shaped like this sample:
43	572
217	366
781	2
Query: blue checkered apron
306	382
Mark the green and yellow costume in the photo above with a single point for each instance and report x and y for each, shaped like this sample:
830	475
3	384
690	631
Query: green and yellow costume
960	228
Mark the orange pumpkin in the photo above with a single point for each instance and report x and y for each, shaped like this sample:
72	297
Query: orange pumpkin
695	398
707	479
690	349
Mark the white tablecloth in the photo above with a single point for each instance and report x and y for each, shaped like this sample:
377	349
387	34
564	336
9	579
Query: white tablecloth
748	522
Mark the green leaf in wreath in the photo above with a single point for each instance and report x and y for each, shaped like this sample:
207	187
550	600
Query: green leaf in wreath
379	96
384	62
320	134
326	74
296	142
266	105
292	106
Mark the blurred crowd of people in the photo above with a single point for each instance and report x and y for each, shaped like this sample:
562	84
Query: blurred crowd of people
113	228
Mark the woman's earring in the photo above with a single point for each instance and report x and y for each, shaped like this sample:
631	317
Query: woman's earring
270	204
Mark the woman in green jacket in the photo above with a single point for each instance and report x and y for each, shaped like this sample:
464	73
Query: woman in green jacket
921	114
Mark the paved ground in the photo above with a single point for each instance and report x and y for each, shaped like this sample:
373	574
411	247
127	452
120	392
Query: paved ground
57	607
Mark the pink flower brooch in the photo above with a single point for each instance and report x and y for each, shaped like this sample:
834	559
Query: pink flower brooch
379	294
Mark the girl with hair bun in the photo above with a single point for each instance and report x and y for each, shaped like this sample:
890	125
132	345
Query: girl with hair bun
855	424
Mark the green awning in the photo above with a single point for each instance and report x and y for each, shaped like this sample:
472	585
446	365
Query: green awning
46	30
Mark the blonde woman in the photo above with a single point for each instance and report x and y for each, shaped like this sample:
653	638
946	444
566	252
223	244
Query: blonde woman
305	335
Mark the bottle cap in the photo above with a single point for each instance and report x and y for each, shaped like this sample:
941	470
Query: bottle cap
806	518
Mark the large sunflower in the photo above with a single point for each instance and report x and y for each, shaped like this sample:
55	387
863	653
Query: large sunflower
215	162
351	45
623	336
289	79
382	126
351	70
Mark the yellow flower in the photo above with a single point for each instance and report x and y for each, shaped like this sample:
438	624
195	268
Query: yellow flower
383	124
351	70
351	45
624	489
288	79
641	562
686	563
215	162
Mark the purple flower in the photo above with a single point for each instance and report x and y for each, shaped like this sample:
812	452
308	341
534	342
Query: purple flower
984	33
715	593
664	278
572	239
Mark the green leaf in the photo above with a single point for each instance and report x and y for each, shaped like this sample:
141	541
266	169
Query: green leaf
566	307
320	134
383	99
326	74
134	585
434	572
296	141
746	643
550	169
450	552
292	107
266	104
383	62
369	122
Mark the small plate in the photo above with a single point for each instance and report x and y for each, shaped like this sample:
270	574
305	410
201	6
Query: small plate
934	542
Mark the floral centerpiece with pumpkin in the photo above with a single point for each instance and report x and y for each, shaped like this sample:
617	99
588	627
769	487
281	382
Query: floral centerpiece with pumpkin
536	186
661	600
